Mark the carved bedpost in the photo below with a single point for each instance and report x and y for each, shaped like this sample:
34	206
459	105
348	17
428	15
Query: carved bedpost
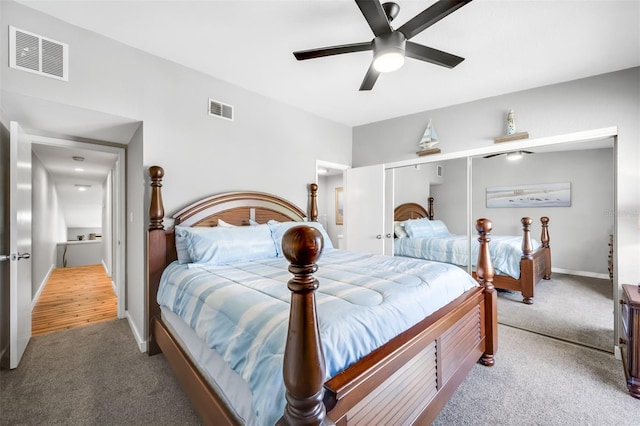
304	365
484	274
156	208
430	208
544	237
156	254
527	245
313	200
544	240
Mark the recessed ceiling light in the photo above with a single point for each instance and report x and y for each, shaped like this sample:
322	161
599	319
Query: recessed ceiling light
79	169
82	187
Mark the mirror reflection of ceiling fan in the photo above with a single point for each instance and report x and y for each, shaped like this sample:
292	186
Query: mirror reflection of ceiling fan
513	155
390	46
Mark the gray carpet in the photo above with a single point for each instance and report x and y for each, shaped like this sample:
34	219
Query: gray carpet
539	380
95	375
568	307
91	375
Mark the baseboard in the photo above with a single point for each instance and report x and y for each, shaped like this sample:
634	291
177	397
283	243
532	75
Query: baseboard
617	352
35	299
581	273
142	343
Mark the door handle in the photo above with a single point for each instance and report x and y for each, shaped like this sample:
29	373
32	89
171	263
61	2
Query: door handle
14	256
388	236
379	236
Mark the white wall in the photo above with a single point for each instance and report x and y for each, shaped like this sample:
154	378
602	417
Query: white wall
450	196
411	184
327	206
48	226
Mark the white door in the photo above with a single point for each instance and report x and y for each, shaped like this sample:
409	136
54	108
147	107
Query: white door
19	244
364	209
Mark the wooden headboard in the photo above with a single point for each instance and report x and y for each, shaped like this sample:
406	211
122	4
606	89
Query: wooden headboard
413	211
236	208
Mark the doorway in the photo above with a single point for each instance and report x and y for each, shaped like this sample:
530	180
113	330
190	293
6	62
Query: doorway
78	211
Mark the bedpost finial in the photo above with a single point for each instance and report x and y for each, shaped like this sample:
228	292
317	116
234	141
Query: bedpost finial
156	172
526	221
313	187
544	220
484	226
302	245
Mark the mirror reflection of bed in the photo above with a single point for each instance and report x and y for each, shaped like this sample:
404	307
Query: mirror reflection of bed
579	234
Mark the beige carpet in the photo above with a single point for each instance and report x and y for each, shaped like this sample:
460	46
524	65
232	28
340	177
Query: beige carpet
567	307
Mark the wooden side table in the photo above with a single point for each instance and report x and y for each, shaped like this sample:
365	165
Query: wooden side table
630	339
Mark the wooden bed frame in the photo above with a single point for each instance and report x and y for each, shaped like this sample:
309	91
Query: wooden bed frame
534	265
409	379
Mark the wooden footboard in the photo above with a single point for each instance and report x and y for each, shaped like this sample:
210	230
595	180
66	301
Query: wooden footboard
534	265
408	380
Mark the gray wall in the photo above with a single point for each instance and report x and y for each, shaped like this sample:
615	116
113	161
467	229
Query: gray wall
270	146
450	196
597	102
580	233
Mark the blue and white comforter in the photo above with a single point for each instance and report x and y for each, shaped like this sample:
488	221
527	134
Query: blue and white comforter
506	251
241	310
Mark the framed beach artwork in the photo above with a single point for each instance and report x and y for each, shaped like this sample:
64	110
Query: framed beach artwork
539	195
339	206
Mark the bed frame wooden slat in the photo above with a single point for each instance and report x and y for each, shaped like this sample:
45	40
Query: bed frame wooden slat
457	336
534	265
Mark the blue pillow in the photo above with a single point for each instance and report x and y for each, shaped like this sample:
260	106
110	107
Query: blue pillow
180	233
279	228
224	245
425	228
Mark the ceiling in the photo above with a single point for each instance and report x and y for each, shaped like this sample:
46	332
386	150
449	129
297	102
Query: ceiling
507	45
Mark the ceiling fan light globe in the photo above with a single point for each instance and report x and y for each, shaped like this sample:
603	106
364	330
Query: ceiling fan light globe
388	61
513	156
388	51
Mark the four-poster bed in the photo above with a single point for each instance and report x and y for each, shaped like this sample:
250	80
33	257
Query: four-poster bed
524	266
406	380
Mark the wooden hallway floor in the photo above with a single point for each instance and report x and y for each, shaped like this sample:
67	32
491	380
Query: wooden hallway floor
73	297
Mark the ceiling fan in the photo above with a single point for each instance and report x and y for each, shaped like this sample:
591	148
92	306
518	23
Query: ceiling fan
514	155
390	46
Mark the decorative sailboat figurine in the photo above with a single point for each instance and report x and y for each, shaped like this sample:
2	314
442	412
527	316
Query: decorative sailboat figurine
429	139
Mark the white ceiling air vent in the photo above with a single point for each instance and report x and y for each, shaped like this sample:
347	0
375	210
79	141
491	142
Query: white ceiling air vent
38	54
220	110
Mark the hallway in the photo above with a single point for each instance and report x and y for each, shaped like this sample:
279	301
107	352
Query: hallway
74	297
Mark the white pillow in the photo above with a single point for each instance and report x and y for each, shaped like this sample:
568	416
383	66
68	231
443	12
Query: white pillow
225	245
225	224
398	229
279	228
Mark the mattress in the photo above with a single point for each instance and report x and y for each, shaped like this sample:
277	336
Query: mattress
241	312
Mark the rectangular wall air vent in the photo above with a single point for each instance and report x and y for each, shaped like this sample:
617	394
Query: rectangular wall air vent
37	54
221	110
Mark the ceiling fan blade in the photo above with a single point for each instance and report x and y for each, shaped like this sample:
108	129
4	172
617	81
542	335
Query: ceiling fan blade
375	16
332	50
430	16
428	54
370	78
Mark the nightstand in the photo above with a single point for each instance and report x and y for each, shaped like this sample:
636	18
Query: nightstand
630	338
